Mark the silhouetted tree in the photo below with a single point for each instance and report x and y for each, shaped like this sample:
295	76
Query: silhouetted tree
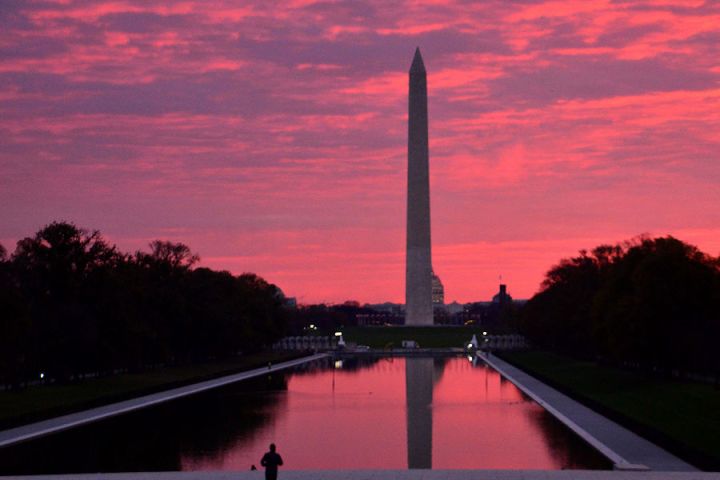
660	306
61	271
326	317
558	317
263	310
175	256
72	304
164	306
649	302
14	326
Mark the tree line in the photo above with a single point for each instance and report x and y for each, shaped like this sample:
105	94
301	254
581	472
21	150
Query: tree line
326	318
72	304
648	303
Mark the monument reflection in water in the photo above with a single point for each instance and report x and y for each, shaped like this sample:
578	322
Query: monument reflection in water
370	413
418	398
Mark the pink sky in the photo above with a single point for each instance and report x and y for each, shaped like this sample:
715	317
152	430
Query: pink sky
272	138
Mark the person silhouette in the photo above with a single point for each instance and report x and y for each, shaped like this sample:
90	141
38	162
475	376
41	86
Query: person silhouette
271	461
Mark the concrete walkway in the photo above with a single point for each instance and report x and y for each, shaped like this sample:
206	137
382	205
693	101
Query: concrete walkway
625	449
391	475
53	425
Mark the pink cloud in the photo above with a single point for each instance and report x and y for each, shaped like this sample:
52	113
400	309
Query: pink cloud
273	139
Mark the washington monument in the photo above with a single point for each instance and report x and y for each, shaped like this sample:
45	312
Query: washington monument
418	267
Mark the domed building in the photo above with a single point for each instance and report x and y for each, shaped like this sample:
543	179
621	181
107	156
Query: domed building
502	297
438	291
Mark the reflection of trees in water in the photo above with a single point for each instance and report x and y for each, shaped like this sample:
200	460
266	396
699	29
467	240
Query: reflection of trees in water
155	439
568	450
439	368
237	414
349	364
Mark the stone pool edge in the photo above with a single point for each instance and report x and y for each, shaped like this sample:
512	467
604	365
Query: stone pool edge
39	429
620	462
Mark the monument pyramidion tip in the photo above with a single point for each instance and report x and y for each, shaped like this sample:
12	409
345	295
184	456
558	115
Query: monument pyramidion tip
417	64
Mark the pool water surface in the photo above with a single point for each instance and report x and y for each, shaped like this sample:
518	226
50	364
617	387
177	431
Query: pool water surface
370	413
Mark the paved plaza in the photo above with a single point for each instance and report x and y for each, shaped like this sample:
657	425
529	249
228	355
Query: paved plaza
392	475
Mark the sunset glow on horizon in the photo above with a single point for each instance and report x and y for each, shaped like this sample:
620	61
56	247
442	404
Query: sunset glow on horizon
271	138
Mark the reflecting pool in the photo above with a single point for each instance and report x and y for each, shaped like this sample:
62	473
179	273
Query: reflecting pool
370	413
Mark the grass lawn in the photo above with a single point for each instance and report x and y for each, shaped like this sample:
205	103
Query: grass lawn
682	416
427	337
40	402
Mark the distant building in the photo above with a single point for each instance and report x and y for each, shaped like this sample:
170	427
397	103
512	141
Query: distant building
382	314
438	291
502	297
454	308
387	307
